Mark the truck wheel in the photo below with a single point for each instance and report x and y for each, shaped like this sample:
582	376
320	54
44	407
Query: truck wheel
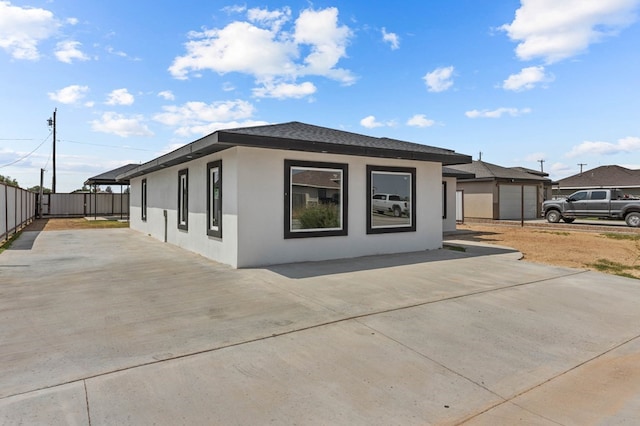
396	211
568	219
633	219
553	216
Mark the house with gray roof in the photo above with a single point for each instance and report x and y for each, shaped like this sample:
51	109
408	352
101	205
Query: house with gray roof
507	193
628	180
292	192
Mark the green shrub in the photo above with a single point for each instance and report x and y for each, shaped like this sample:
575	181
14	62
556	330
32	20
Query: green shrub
320	216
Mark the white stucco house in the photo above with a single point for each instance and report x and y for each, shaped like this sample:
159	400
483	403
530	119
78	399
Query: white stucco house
294	192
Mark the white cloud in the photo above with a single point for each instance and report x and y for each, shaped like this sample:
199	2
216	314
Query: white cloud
370	122
285	90
72	21
167	95
67	51
261	47
391	38
70	94
120	53
198	118
319	30
589	148
120	125
420	120
238	47
560	170
527	79
274	19
497	113
120	97
21	29
555	30
439	79
535	156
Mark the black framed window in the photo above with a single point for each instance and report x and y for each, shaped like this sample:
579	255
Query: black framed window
183	199
214	199
444	200
143	203
315	199
391	198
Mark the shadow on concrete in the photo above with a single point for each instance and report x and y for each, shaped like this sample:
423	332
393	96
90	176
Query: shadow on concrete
452	249
28	235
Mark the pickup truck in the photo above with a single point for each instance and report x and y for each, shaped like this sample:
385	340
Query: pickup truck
600	203
389	203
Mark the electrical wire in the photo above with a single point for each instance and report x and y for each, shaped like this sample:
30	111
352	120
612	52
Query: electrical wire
106	146
27	155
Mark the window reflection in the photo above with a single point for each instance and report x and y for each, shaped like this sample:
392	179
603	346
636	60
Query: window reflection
391	201
316	199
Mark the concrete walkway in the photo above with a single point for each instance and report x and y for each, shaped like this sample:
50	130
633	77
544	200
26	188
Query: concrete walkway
107	327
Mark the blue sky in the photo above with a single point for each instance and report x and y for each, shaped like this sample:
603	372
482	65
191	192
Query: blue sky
519	81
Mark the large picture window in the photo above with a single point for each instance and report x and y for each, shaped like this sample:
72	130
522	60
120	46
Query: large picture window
391	197
143	202
315	199
183	199
214	199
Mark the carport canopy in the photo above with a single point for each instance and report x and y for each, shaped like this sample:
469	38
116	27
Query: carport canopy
109	178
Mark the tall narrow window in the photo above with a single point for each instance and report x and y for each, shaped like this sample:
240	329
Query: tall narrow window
391	198
316	198
143	203
214	199
183	199
444	200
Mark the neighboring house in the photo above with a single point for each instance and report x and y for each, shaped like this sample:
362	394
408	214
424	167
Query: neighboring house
452	198
627	180
497	192
288	193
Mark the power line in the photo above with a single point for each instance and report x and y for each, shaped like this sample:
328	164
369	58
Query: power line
106	146
26	156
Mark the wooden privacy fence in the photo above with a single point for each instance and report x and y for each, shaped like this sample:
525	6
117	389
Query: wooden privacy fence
17	209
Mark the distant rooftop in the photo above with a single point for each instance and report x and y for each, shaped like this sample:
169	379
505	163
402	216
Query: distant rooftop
483	171
604	176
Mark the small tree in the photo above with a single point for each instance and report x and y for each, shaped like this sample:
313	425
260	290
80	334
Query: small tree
108	190
37	189
8	180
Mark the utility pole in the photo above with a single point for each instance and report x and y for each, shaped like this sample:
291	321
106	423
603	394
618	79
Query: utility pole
480	156
40	194
541	165
581	164
52	123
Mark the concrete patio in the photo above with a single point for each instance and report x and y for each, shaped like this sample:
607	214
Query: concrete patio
108	327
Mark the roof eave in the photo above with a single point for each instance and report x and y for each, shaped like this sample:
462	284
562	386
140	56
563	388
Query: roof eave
222	140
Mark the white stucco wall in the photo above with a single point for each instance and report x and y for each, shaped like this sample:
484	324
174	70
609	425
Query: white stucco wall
253	209
162	194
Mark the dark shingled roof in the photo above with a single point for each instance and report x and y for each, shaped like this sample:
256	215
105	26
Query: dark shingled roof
488	171
109	178
603	176
451	172
298	136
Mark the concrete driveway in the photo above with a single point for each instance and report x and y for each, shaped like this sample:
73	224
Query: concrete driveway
107	327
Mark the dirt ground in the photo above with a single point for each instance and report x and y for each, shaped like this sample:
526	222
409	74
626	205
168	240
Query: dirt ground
615	253
61	224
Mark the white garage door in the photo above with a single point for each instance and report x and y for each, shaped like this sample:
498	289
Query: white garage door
511	202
